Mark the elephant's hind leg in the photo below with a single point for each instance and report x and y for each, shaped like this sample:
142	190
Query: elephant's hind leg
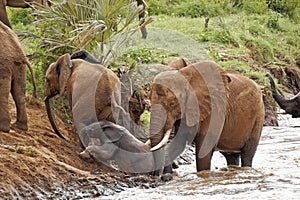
249	149
231	158
5	82
18	91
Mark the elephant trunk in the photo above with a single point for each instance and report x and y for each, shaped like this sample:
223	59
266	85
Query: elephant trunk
51	116
159	129
281	100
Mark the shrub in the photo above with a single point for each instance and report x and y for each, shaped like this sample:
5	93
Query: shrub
261	50
290	8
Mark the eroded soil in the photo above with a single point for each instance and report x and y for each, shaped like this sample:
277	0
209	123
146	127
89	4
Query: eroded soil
38	165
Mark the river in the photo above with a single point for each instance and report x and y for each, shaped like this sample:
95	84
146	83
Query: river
275	173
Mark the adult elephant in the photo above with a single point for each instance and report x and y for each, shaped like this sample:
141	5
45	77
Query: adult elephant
13	64
217	109
93	91
17	4
291	106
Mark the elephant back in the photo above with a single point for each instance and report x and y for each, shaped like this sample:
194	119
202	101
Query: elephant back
11	49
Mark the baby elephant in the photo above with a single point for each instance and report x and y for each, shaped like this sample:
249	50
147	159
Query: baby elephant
105	141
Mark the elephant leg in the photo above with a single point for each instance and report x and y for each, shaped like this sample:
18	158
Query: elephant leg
5	84
203	163
249	149
231	158
18	91
159	160
167	173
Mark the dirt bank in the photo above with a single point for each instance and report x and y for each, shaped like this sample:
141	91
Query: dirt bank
38	165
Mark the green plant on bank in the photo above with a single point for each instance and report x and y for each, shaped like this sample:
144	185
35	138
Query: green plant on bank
200	8
99	26
133	57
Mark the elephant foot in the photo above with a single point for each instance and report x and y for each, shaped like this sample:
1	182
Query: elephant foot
5	129
5	126
20	126
167	177
155	173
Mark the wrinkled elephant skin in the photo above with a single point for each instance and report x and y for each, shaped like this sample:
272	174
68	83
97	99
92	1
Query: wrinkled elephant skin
217	109
105	141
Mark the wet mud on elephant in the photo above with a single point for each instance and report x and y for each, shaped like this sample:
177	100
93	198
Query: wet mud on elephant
217	109
13	63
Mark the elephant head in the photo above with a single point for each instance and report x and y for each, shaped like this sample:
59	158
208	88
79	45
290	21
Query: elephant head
57	77
106	141
291	106
93	91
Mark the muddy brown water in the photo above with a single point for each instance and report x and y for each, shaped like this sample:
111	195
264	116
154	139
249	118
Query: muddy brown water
275	173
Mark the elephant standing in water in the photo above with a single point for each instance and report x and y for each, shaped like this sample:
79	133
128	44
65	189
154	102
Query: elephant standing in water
291	106
13	64
217	109
93	92
17	4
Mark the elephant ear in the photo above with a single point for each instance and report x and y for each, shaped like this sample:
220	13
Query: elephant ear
178	64
113	132
208	89
63	70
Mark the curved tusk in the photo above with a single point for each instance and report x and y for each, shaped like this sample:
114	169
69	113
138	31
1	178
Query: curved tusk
163	141
148	142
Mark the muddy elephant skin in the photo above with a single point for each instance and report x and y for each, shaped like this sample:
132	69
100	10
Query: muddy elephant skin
13	64
217	109
291	105
106	141
93	91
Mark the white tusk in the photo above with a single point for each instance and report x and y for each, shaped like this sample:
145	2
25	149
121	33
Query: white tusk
148	142
163	141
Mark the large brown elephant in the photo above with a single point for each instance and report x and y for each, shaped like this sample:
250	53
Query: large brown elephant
217	109
17	4
290	105
93	91
13	64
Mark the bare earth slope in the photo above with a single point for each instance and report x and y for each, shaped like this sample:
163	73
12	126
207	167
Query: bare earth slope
37	164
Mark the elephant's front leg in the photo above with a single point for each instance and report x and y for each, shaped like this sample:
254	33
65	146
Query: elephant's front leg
18	91
5	82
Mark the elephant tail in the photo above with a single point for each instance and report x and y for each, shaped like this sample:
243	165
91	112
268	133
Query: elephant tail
32	79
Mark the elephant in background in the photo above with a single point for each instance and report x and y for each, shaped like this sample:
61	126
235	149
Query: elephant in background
107	141
93	92
17	4
217	109
13	64
291	106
